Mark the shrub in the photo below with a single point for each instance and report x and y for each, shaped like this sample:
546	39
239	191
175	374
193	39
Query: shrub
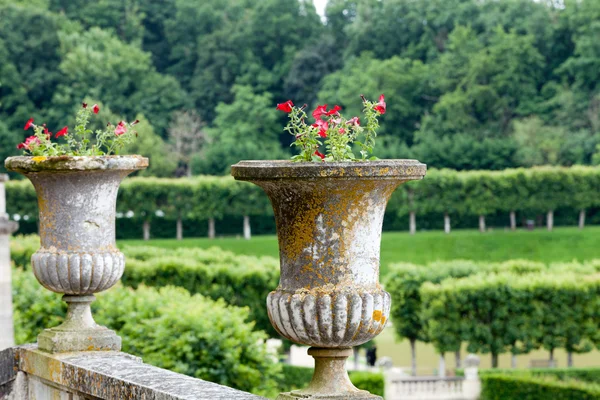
591	375
527	387
22	248
167	327
239	280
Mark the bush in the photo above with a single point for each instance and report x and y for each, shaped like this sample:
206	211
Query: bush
591	375
527	387
239	280
22	248
167	327
294	378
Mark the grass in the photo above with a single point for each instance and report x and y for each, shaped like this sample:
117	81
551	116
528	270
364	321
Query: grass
562	244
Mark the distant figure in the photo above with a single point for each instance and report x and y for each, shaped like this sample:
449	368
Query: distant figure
372	356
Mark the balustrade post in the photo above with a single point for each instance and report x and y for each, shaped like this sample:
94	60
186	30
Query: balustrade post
7	338
472	384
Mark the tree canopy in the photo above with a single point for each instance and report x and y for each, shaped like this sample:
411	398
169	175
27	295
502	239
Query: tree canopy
470	84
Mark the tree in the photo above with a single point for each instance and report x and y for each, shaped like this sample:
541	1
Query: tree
246	129
188	136
151	145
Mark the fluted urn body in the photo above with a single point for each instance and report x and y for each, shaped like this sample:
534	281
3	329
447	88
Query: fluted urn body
329	218
78	255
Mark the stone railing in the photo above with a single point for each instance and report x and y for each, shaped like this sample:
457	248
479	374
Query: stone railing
435	387
27	373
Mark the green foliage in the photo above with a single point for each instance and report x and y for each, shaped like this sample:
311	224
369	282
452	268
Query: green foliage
591	375
167	327
527	387
240	280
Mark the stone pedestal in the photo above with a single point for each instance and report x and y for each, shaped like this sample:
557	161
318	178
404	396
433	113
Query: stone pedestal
6	316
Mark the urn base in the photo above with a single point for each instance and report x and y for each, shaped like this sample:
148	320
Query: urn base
330	379
99	339
79	331
362	395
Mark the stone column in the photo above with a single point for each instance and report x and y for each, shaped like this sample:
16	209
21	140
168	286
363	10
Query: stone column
7	338
471	384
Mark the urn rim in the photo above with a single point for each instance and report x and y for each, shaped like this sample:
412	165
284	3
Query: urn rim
30	164
286	169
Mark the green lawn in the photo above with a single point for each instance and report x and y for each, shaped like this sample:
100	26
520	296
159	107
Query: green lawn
562	244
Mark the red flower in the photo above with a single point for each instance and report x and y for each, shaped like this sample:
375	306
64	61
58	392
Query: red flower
47	132
121	129
381	105
96	108
64	131
28	124
342	131
137	121
319	111
335	110
354	121
320	155
31	140
285	107
84	105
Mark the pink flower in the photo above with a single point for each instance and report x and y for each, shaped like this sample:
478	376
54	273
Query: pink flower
28	124
121	129
342	131
30	141
354	121
96	109
319	111
317	153
381	106
285	107
335	110
323	126
64	131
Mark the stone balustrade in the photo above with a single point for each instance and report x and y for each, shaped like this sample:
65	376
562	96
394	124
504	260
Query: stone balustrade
27	373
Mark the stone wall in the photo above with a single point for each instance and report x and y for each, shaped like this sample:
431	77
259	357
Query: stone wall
27	373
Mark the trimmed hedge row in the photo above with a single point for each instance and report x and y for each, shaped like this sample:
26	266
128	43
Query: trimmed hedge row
515	306
527	387
467	193
591	375
167	327
294	377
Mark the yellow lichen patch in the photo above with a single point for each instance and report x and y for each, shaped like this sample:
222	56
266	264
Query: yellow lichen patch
378	316
39	159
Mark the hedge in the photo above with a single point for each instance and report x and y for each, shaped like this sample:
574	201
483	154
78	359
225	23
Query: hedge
590	375
497	313
461	195
294	377
167	327
527	387
428	305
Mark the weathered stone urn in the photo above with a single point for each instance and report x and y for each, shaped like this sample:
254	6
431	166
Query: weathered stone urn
329	218
78	255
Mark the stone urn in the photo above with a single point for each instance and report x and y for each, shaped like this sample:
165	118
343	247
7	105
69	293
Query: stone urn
78	255
329	218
